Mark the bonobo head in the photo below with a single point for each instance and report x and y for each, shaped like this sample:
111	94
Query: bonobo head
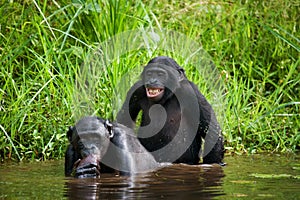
161	76
90	138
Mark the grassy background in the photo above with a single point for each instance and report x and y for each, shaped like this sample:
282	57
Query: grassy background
254	44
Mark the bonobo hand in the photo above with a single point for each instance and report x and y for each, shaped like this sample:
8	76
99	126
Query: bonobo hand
89	171
88	167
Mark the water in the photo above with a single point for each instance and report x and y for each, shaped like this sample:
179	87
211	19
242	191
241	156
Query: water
244	177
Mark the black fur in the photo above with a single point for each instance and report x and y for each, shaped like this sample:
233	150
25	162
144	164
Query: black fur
98	146
178	127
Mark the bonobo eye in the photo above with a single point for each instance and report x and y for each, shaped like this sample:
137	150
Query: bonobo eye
160	73
149	73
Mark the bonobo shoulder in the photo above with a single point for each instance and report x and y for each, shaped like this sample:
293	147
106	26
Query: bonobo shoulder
137	90
122	129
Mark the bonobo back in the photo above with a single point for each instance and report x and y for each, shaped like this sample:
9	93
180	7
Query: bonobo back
126	154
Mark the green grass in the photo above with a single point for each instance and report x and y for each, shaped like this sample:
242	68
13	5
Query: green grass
45	47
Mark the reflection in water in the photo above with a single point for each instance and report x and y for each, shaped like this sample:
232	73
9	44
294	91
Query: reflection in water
176	181
262	176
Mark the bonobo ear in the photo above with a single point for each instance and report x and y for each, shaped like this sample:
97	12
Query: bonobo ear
181	74
69	133
109	126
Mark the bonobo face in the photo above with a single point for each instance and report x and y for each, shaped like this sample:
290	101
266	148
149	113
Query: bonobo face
160	80
155	80
90	138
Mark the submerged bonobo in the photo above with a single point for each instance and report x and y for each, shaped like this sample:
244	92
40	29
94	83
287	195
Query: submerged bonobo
97	146
89	141
175	115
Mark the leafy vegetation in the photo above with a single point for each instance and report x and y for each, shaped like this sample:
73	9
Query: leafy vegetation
43	45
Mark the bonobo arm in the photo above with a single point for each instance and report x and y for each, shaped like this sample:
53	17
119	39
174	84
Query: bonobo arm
132	105
210	130
70	158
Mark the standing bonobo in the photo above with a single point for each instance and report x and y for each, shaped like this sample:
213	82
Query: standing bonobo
175	115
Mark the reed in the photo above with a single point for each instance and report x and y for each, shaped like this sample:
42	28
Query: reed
44	44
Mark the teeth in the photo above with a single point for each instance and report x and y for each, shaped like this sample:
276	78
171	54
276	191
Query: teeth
154	91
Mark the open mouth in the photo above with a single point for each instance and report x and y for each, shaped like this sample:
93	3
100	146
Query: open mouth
154	92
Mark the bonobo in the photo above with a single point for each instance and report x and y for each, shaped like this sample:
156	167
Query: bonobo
89	140
175	115
97	145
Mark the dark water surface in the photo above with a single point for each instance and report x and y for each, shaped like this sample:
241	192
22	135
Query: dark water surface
244	177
